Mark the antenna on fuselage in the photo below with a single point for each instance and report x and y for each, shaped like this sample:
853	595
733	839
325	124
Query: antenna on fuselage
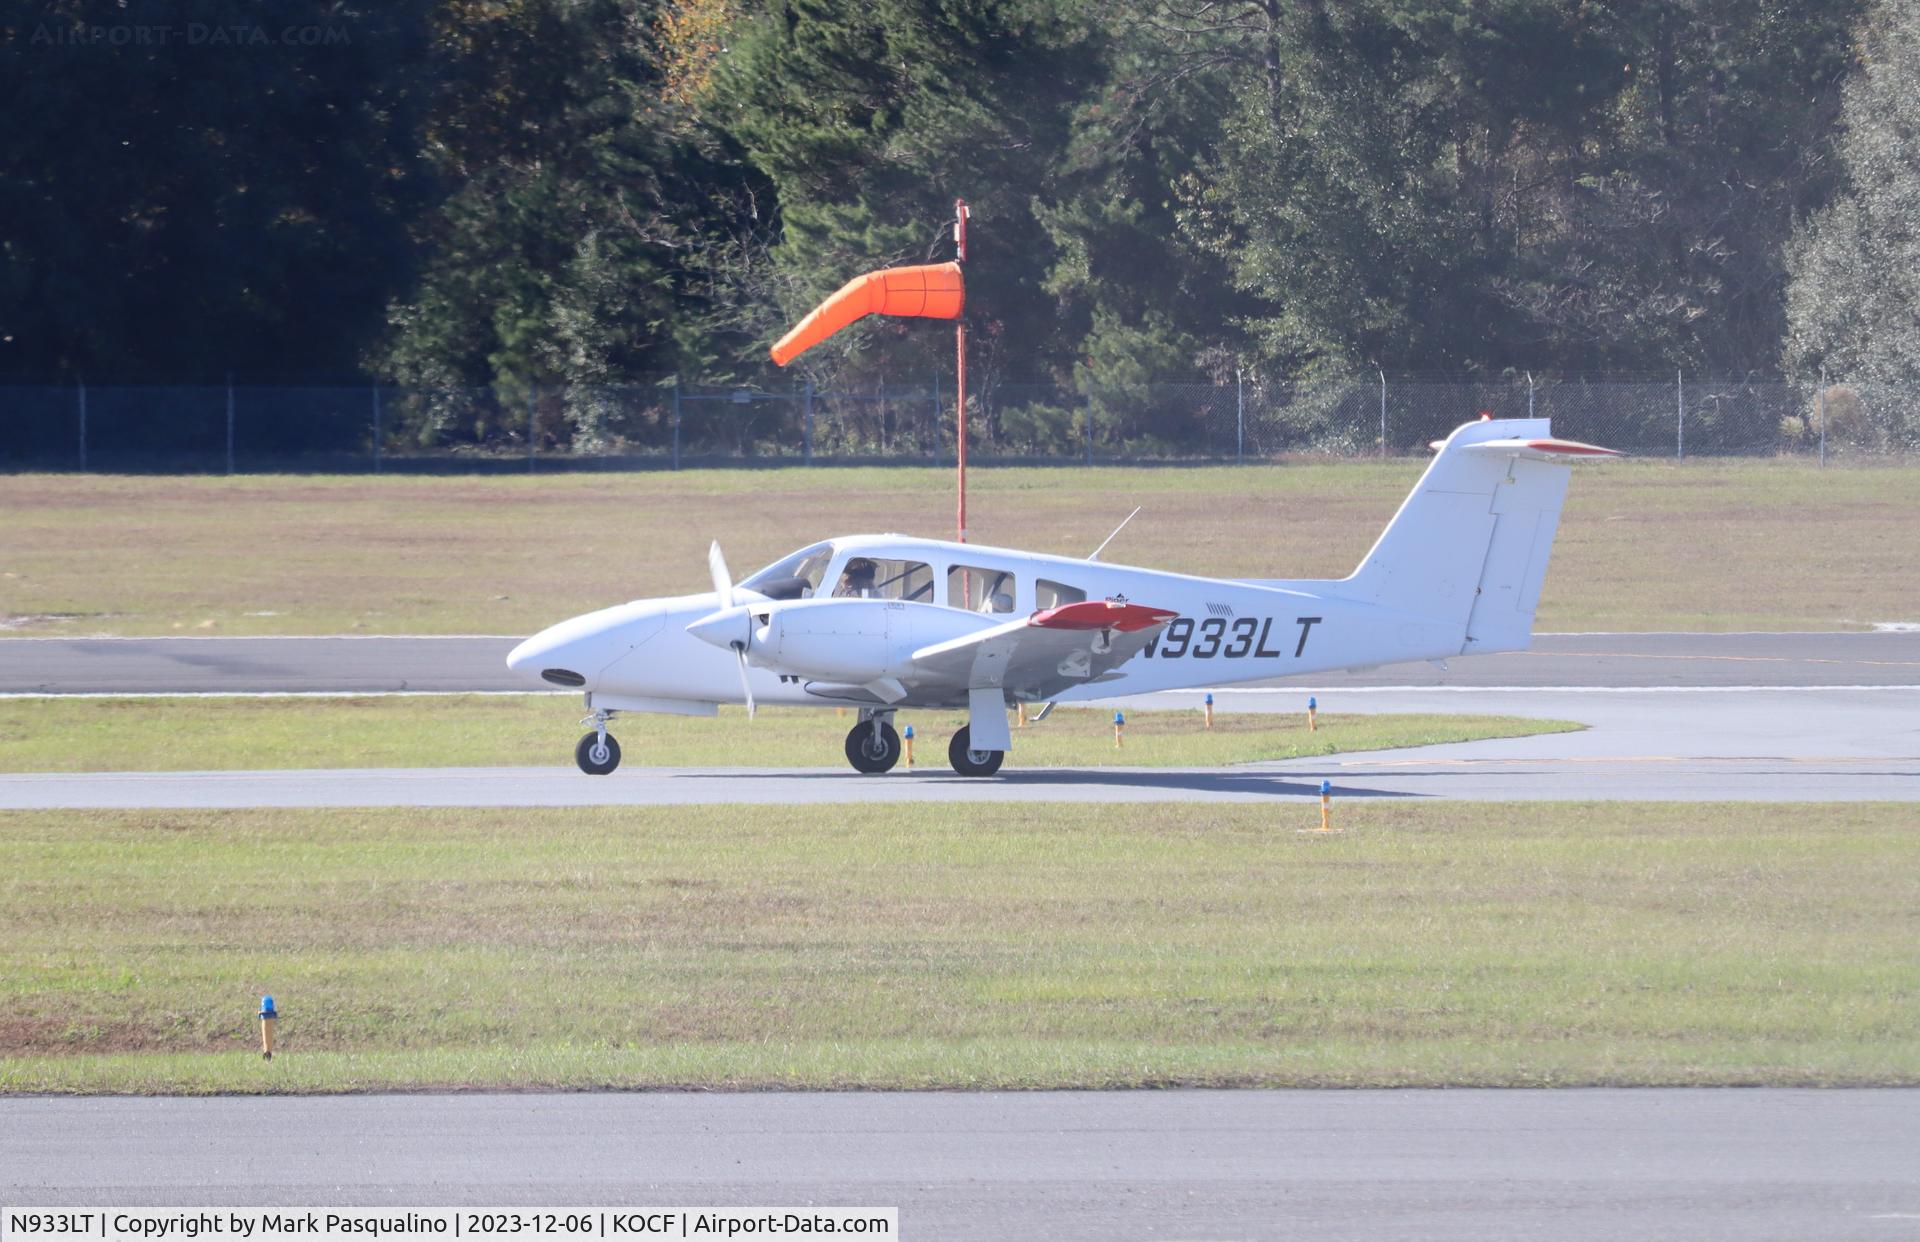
1116	530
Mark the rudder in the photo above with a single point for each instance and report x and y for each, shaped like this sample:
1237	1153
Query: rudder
1468	547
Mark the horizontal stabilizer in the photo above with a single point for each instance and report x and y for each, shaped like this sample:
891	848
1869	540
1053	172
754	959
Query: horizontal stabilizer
1538	449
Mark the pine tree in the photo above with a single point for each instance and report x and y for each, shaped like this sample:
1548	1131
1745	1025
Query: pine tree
1853	306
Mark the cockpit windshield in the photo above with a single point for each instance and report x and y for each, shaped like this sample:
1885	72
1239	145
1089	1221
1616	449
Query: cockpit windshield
793	577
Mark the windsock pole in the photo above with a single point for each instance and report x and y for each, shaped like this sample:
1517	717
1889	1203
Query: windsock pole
926	291
960	369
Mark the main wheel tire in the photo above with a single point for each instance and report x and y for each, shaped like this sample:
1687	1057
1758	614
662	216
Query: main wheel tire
595	759
870	756
969	762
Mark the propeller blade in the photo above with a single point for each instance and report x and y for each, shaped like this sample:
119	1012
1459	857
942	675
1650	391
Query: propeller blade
746	687
723	589
722	580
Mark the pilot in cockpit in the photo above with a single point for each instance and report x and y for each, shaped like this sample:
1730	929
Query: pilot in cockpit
856	580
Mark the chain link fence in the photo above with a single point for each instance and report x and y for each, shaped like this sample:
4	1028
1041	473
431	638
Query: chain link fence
669	425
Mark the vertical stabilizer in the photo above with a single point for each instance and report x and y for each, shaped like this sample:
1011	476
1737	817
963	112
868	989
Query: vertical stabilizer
1469	546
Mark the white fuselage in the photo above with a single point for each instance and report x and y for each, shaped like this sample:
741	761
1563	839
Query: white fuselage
887	621
641	657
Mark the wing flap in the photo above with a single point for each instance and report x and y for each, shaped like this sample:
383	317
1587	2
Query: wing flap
1042	654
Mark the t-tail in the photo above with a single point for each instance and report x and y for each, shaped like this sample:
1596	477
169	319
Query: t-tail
1469	546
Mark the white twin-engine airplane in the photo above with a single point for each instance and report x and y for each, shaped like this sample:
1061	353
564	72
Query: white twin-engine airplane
885	622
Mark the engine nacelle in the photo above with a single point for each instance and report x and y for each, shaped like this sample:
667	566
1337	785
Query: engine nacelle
854	641
851	640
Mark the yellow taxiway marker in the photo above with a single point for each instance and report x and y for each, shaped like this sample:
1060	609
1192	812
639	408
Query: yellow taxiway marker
1326	820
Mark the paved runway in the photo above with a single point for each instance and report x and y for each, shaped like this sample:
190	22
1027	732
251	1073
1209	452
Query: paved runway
1583	1164
260	665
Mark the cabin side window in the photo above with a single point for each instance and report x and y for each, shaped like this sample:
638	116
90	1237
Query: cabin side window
1049	594
980	590
871	577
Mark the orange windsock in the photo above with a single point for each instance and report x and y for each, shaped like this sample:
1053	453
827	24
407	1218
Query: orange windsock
931	292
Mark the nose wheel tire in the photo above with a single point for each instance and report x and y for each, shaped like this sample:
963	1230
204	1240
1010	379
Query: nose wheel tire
972	762
596	758
870	754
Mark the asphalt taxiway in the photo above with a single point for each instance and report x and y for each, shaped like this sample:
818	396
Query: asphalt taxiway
1769	717
1570	1164
1818	744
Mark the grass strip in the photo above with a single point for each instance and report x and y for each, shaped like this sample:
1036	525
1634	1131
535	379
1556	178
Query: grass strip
961	946
1645	545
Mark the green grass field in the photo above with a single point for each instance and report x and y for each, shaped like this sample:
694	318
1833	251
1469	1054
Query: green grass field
1708	545
1029	946
194	734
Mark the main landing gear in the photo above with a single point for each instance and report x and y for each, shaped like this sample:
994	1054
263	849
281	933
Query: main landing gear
597	753
968	762
872	745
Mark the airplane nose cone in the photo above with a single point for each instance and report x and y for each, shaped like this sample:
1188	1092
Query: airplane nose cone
722	629
525	657
574	653
547	657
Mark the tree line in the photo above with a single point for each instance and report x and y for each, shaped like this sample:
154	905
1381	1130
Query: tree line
507	201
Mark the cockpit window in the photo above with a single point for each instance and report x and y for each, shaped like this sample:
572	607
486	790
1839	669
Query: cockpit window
793	577
870	577
814	568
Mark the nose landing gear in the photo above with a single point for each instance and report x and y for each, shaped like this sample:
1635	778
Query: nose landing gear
872	745
597	753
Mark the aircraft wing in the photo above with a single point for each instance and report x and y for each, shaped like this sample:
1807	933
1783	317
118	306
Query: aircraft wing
1043	654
